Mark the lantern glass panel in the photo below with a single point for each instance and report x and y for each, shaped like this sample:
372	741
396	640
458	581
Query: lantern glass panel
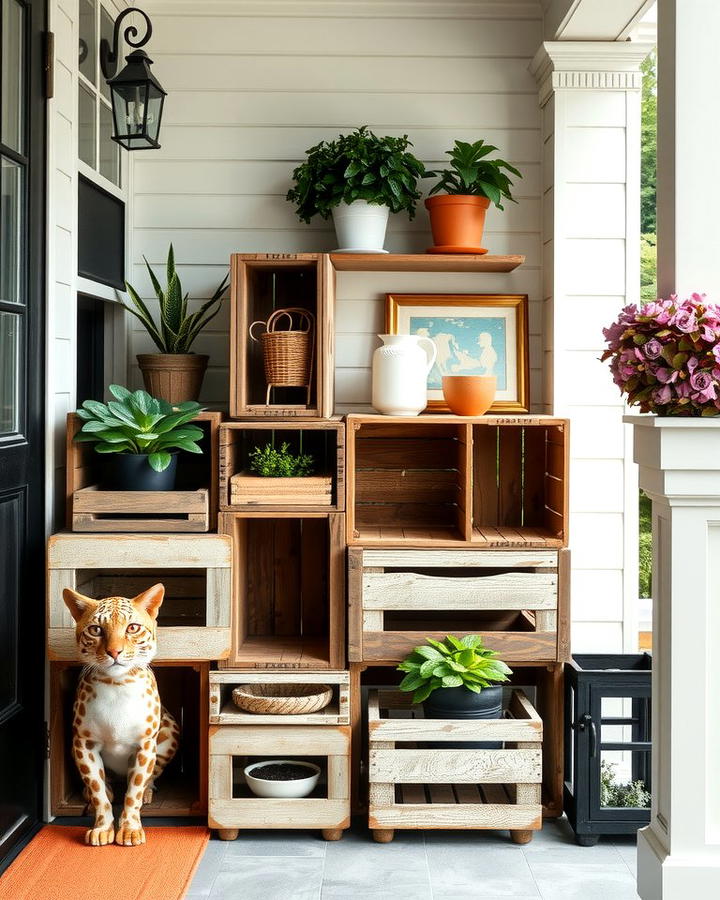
154	112
622	784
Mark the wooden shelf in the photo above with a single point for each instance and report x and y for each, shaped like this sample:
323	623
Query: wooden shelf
423	262
282	650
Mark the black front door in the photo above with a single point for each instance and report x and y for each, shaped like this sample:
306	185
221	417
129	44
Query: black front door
22	529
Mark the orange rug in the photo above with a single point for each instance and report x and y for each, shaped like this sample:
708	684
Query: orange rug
56	865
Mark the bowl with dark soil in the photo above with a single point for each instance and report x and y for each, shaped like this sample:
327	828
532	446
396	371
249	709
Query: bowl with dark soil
287	778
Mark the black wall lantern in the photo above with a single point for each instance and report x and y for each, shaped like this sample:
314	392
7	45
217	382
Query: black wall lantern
137	96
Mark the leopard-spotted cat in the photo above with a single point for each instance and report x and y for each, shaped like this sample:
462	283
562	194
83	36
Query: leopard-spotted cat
118	723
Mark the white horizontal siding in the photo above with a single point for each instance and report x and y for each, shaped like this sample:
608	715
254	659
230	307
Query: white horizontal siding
247	96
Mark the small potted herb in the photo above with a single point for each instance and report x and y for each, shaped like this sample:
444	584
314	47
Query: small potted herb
358	179
457	678
141	436
457	216
276	476
175	373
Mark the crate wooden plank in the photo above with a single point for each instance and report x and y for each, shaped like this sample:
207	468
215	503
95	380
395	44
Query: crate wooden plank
355	600
452	730
512	646
250	740
68	551
412	591
443	766
180	644
457	816
143	511
454	559
261	812
407	485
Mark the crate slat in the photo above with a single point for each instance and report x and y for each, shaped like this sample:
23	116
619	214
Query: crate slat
462	766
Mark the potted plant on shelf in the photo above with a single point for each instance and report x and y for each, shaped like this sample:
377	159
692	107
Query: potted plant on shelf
280	477
457	678
358	179
665	356
175	374
457	216
141	436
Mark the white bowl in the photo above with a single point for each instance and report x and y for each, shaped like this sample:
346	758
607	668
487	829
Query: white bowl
298	787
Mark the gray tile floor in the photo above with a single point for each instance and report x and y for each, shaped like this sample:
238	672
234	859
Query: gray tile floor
430	865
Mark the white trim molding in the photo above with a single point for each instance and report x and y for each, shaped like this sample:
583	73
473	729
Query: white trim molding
588	65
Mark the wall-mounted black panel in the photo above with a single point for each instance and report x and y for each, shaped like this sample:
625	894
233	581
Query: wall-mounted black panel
101	235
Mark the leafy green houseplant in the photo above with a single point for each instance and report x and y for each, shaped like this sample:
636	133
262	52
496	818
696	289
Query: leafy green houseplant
457	215
141	435
277	476
357	178
174	374
269	462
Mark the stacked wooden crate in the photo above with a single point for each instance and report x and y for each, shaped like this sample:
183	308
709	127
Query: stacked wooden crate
119	543
459	526
289	561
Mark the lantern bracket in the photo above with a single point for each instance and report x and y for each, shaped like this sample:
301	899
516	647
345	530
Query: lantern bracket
109	55
586	721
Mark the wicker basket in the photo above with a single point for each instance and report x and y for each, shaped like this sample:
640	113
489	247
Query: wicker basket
282	699
288	345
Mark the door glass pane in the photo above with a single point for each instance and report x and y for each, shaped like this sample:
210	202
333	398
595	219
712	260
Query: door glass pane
88	53
11	231
109	150
86	133
106	33
11	102
624	779
10	325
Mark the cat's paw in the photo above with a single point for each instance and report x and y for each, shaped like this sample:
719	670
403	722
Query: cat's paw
130	835
100	837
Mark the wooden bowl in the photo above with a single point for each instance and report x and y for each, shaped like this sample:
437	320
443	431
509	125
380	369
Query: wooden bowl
469	395
282	699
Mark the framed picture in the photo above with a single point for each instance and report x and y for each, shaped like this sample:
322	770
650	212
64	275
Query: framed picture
475	334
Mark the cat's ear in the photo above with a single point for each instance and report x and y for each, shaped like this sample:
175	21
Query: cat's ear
78	604
150	600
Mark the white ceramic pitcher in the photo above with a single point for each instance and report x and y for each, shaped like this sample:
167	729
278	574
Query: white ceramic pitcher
400	372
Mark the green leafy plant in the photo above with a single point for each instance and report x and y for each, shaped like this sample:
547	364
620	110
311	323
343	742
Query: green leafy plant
454	662
632	795
176	331
135	422
471	173
270	462
357	166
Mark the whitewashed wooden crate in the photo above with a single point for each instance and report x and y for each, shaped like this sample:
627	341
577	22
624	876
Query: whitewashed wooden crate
223	710
194	620
231	805
416	787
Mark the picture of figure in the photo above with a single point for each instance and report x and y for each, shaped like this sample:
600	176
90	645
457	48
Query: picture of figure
466	345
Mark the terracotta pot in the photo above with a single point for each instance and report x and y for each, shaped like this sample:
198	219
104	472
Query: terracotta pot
174	377
457	222
469	395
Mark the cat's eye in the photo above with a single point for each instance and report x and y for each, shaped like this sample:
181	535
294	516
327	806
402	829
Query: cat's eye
94	630
133	628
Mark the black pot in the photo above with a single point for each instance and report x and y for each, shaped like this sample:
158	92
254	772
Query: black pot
460	703
133	472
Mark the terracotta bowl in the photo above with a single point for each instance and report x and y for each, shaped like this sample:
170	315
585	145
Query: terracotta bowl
469	395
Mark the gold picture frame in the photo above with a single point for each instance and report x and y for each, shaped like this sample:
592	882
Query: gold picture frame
504	320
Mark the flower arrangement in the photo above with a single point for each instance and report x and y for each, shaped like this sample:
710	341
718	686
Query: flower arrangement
666	356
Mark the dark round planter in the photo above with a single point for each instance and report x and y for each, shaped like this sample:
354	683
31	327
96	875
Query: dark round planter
133	472
460	703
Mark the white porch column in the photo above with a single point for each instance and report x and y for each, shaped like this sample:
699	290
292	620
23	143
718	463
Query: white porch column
590	99
679	852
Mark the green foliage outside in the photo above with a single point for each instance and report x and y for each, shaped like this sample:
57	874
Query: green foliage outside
633	795
648	279
269	462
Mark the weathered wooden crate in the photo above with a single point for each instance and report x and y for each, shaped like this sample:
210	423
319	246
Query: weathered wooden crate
412	786
194	620
260	284
440	481
190	508
223	710
324	440
182	788
231	805
289	590
518	600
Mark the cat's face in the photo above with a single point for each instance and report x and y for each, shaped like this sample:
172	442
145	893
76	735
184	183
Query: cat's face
116	633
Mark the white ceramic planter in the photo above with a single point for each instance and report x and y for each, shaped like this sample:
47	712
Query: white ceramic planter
400	372
298	787
360	227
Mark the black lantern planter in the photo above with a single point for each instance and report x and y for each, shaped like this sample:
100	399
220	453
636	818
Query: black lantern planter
137	96
596	794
